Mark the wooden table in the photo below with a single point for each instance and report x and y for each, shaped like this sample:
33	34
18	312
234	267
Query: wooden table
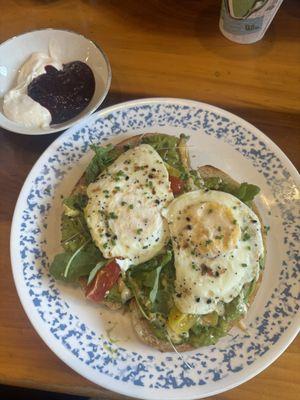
164	48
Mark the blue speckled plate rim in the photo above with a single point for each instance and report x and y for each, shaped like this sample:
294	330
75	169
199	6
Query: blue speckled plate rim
70	359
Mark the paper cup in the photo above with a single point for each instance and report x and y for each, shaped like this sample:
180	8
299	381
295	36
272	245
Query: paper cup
246	21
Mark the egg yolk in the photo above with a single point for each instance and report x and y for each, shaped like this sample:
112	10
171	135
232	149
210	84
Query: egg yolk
208	229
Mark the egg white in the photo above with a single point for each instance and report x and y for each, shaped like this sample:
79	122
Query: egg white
124	207
217	245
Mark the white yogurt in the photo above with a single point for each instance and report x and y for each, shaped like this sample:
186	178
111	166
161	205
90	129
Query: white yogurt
17	105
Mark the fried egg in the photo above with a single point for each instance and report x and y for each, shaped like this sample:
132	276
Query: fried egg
217	244
124	207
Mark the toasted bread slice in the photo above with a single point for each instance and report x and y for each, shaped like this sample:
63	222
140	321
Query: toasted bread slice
141	325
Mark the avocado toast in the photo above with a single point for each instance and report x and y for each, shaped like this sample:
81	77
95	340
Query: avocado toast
149	287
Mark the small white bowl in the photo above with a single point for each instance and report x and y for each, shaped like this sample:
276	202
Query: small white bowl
70	46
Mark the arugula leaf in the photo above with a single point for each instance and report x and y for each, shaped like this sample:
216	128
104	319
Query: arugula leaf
145	281
165	260
137	294
70	266
95	270
74	229
246	192
164	299
152	284
76	201
72	258
104	156
74	232
155	262
166	146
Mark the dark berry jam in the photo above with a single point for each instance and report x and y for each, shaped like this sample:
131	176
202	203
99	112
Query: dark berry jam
65	93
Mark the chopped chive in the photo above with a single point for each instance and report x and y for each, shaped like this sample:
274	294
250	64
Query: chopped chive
112	215
219	237
246	236
118	175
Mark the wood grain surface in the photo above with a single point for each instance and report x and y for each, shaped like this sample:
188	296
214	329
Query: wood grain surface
156	48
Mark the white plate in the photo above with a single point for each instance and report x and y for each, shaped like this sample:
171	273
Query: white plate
76	330
69	46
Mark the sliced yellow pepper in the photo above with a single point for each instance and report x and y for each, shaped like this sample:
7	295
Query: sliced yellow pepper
179	322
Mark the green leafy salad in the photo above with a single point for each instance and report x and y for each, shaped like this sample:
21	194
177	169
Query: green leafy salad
166	301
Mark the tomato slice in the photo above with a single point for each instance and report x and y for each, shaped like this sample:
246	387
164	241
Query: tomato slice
103	281
177	184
